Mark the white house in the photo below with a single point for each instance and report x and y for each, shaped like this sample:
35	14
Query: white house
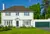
17	16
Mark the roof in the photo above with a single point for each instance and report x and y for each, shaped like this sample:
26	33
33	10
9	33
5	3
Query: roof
17	8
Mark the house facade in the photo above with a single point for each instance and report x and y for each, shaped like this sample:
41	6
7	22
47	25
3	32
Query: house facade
17	16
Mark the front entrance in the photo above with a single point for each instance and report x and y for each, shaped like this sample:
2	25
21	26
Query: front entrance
17	23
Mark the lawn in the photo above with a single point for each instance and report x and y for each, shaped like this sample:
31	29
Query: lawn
25	31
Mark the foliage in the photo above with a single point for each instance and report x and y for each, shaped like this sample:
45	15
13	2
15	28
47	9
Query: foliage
1	28
0	17
36	10
23	26
46	6
6	28
48	12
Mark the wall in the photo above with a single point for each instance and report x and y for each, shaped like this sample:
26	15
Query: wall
21	16
14	17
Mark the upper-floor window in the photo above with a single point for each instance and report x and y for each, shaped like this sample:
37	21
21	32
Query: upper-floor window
26	13
17	13
7	13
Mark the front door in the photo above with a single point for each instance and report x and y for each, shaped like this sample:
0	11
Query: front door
17	23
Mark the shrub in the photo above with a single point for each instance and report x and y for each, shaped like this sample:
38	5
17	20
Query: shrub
1	28
14	27
6	28
23	26
32	27
27	26
9	27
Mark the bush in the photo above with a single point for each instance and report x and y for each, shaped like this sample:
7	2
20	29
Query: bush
9	27
26	26
5	28
14	27
1	28
23	26
32	27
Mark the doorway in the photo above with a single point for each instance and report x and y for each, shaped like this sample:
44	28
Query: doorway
17	23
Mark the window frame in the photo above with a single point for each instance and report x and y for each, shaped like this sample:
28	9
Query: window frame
17	13
8	13
8	22
26	13
27	22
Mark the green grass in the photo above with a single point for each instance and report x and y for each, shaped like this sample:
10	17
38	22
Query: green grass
25	31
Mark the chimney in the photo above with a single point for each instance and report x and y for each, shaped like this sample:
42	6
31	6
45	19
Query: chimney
3	7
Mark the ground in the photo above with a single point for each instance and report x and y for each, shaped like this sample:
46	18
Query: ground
26	31
45	28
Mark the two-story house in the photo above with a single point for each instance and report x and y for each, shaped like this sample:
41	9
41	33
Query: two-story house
17	16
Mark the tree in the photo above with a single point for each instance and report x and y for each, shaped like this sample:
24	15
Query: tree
0	17
45	4
36	10
48	12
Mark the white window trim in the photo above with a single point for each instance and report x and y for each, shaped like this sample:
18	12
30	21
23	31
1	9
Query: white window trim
8	13
17	13
26	13
8	22
27	22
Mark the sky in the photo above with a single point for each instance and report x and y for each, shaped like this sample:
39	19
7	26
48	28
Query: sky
26	3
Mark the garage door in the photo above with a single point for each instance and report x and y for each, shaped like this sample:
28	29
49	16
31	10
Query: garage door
42	24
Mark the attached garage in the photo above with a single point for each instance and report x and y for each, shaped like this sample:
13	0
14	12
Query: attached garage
42	24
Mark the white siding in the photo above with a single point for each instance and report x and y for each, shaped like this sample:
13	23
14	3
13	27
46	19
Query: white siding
13	17
21	16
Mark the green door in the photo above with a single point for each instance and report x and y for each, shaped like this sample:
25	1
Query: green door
42	24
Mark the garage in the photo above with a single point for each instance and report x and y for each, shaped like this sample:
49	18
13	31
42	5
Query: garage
42	24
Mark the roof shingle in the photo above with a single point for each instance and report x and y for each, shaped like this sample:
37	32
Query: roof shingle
17	8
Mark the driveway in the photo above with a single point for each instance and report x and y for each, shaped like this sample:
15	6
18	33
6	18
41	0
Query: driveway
45	28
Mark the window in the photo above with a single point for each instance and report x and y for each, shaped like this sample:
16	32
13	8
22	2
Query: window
5	22
7	13
8	22
17	13
27	22
26	13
